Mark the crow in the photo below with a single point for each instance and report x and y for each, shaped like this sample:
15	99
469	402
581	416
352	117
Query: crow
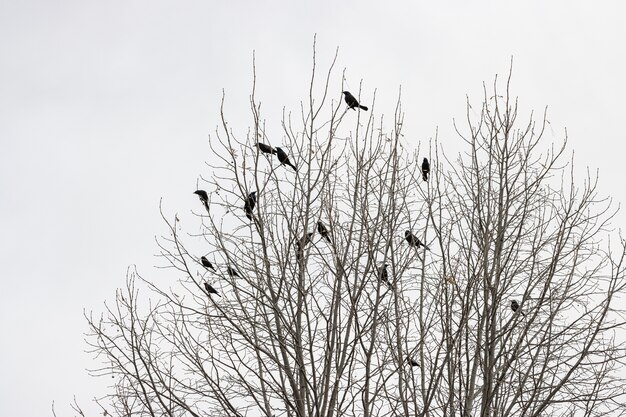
412	361
323	231
204	198
284	159
383	275
425	169
210	289
351	101
265	148
249	204
232	272
413	240
515	307
206	263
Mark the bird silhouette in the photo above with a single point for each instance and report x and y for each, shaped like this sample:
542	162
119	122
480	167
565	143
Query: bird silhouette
323	231
383	275
351	101
210	289
206	263
412	361
265	148
515	307
204	198
249	204
425	169
413	240
284	158
232	272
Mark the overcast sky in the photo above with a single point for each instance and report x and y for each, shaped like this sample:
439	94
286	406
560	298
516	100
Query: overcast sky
106	107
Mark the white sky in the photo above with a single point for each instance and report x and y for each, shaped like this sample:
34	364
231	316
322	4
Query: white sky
105	107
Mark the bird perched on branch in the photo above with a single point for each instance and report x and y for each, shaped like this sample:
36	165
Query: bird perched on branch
232	272
249	204
322	230
206	263
351	101
412	361
413	240
383	275
284	158
210	289
204	198
515	307
265	148
425	169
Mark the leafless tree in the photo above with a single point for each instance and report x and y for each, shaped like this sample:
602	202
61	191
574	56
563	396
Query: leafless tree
311	327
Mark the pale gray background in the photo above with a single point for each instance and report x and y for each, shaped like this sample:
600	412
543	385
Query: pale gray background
105	107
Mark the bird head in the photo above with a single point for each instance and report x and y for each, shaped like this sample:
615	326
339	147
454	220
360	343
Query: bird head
407	233
345	92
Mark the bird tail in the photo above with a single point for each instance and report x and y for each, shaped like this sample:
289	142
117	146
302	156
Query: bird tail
425	176
293	166
426	247
363	107
206	206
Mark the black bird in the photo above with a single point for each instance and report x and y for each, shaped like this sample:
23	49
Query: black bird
383	275
515	307
323	231
210	289
204	198
232	271
249	204
413	240
412	361
425	169
206	263
284	158
351	101
265	148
